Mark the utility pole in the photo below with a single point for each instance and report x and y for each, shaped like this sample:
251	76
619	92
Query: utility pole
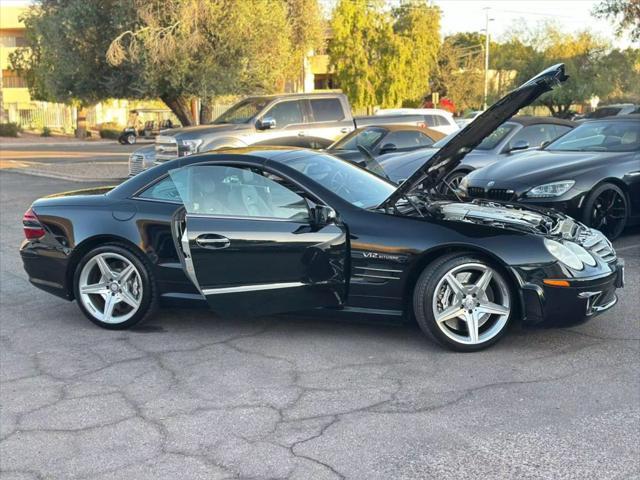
486	58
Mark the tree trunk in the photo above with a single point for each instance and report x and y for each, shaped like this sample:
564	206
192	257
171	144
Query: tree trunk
81	122
206	111
181	107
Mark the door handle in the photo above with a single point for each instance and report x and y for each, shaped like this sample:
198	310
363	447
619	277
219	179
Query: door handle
301	134
209	240
344	130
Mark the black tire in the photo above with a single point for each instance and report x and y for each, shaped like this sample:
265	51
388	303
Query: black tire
149	299
454	180
130	139
425	290
593	210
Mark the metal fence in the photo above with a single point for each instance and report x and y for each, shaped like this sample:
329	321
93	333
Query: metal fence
38	115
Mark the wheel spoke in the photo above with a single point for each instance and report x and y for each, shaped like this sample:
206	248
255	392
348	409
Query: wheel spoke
102	287
484	280
455	284
490	307
454	311
124	275
104	267
109	303
472	325
129	299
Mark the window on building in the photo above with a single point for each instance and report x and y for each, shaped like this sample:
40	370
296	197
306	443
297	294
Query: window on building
12	80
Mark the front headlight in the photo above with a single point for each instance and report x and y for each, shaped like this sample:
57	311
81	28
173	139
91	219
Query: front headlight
189	147
554	189
564	254
584	256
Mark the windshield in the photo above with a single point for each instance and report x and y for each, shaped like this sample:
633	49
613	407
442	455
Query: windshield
602	136
351	183
242	112
368	138
493	140
489	143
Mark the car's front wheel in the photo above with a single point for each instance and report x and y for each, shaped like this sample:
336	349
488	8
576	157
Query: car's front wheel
452	182
463	302
114	287
606	210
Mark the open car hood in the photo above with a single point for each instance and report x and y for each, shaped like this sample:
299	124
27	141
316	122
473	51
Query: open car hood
438	166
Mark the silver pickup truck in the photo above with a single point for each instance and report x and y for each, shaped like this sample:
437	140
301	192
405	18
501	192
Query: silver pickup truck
313	120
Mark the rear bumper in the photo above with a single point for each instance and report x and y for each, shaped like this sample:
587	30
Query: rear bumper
584	299
46	268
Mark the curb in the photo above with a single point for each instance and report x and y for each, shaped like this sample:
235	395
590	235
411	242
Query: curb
62	176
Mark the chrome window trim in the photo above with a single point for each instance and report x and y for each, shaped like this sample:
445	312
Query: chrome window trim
244	217
251	288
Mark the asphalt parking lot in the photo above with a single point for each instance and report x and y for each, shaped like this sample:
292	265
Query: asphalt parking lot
194	397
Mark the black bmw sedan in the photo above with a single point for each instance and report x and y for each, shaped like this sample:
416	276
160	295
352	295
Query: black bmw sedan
592	173
265	230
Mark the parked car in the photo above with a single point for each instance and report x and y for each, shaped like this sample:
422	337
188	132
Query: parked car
382	139
434	118
592	173
468	118
610	111
264	230
513	136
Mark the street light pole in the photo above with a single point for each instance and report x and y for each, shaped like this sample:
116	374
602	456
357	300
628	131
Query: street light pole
486	58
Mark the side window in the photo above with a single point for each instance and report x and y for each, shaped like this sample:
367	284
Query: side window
232	191
431	120
165	190
535	135
286	113
327	109
407	139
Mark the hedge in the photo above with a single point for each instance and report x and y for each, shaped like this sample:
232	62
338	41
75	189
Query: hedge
9	129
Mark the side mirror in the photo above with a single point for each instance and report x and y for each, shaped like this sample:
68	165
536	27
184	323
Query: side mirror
266	123
519	145
387	148
322	215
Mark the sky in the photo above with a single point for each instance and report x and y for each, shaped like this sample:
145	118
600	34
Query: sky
571	15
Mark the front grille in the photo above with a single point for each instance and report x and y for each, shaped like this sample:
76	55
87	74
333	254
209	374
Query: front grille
501	194
476	192
597	243
136	164
166	148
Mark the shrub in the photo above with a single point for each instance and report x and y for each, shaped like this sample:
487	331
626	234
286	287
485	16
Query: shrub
110	133
9	129
46	132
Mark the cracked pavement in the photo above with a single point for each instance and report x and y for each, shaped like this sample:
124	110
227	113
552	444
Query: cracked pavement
194	397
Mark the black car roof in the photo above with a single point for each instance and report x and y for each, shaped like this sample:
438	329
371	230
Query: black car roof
526	120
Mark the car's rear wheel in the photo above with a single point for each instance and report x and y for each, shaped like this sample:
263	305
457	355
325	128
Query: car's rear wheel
606	209
131	139
114	287
463	302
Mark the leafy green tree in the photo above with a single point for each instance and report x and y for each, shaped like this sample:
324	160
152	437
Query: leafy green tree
460	75
384	57
626	13
209	48
64	60
418	25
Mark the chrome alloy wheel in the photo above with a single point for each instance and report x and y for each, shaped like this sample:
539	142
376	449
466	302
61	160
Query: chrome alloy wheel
471	304
110	288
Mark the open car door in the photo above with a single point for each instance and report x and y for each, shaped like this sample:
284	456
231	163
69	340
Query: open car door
253	245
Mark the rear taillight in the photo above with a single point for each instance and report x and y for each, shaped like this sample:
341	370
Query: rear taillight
33	229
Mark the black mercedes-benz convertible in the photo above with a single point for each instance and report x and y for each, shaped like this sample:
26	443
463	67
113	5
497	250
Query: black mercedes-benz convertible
267	230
